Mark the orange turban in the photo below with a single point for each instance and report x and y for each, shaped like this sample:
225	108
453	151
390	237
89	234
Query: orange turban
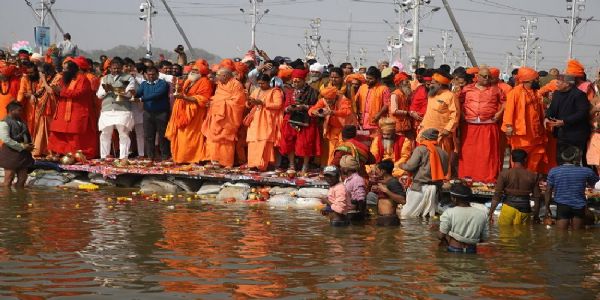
82	63
106	64
215	67
527	74
441	78
575	68
299	73
472	70
8	71
228	64
202	66
329	92
400	77
355	76
285	74
241	68
187	69
495	72
70	59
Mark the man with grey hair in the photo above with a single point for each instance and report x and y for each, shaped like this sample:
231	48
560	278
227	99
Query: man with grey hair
568	115
382	64
223	119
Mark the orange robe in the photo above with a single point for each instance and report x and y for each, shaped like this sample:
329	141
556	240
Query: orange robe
399	152
443	112
223	121
506	88
9	91
72	127
185	124
38	112
95	84
524	111
264	128
399	101
332	127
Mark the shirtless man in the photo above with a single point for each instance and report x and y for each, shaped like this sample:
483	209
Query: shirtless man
390	193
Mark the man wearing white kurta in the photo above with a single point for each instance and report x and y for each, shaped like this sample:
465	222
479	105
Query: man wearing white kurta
115	115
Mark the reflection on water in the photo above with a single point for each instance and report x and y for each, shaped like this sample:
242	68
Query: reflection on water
57	243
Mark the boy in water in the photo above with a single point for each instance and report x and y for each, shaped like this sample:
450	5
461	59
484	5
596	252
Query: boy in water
390	193
462	226
338	200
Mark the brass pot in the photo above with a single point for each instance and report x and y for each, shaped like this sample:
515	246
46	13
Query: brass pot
120	92
80	157
68	159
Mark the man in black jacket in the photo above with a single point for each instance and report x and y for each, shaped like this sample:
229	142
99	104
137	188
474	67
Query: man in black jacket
568	115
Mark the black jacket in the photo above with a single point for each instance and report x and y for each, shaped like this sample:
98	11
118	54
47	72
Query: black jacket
573	108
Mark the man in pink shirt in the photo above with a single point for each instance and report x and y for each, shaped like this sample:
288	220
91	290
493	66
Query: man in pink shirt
483	105
338	198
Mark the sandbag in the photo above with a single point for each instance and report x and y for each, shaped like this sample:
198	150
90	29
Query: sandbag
308	202
312	193
278	190
42	178
208	189
281	200
236	192
155	186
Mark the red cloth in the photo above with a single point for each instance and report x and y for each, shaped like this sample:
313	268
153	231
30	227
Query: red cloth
305	142
72	127
479	156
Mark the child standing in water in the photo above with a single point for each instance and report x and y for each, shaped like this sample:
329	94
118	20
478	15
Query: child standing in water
338	200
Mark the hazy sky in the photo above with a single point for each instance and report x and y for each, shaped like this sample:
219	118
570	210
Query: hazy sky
492	26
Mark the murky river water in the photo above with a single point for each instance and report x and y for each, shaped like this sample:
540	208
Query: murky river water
59	244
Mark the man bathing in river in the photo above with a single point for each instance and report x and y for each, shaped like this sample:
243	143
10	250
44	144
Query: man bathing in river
462	226
390	193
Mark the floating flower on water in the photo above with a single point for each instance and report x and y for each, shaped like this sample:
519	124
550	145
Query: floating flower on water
30	204
268	222
77	205
18	216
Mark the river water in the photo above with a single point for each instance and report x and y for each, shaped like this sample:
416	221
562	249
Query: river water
75	244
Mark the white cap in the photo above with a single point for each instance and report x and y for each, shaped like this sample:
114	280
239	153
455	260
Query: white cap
317	67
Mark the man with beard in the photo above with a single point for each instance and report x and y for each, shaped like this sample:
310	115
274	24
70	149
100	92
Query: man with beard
577	70
443	111
523	120
315	77
189	112
483	105
400	102
115	114
224	118
388	144
9	86
72	128
373	100
300	132
36	93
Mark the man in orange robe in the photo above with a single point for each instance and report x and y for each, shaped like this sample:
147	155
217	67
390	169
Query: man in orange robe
265	118
482	107
443	111
73	128
392	145
36	91
9	87
523	120
400	103
224	118
189	112
336	110
373	100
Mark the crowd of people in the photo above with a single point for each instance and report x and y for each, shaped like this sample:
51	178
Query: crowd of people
372	130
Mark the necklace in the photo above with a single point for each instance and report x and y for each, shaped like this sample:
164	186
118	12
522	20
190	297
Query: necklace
2	88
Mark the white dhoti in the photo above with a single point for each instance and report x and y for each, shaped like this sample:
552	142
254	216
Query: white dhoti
123	122
137	109
420	203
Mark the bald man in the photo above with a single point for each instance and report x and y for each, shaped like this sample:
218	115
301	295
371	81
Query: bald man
483	105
